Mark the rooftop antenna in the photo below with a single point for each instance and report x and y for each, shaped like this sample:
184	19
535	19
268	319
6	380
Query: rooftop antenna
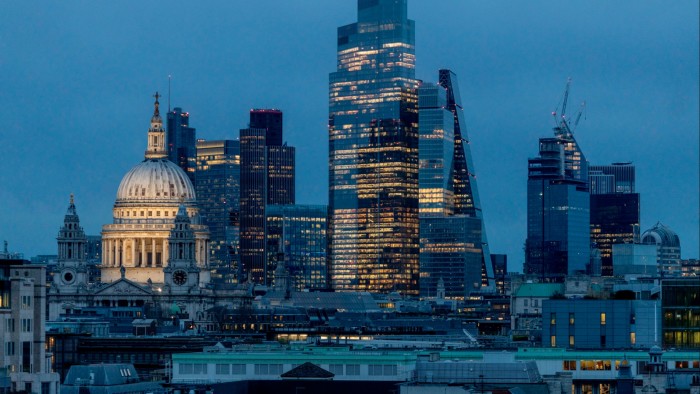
169	78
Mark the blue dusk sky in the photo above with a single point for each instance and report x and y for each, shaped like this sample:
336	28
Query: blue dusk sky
77	79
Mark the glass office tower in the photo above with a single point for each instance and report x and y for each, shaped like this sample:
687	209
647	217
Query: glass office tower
181	139
253	199
453	247
558	208
436	151
218	190
614	210
373	152
298	232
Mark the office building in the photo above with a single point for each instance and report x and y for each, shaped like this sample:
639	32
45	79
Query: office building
436	152
668	248
500	273
448	192
267	177
280	157
271	120
450	252
373	152
558	207
23	357
613	178
600	324
181	141
280	174
218	191
680	304
614	210
634	259
252	202
297	233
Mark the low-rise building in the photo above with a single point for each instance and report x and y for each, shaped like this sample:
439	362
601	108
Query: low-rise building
22	331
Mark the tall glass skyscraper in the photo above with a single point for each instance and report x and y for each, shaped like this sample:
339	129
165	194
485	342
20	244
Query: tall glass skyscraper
252	202
436	151
558	208
373	152
218	191
267	177
614	210
181	139
453	246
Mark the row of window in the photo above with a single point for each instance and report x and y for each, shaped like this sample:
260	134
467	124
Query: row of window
278	369
25	323
606	365
603	340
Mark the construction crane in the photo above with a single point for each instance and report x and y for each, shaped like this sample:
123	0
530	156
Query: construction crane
562	124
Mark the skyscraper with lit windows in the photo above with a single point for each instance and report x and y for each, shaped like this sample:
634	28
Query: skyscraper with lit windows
453	246
267	177
558	208
373	152
218	185
614	210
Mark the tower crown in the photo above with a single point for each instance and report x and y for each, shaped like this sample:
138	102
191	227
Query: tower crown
156	134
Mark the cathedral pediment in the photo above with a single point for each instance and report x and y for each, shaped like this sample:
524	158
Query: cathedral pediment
123	287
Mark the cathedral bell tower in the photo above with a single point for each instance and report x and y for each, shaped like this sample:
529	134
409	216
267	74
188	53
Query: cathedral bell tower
72	265
181	273
156	134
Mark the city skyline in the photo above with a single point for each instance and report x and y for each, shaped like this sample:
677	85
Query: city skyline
639	79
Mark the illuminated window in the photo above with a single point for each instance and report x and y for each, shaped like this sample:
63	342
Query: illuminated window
553	319
571	340
571	319
553	341
633	338
602	319
569	365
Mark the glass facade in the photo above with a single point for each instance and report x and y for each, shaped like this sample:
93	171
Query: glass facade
558	208
280	157
453	245
614	220
436	149
218	190
267	177
253	199
280	174
450	249
614	210
181	140
373	152
680	303
613	178
299	233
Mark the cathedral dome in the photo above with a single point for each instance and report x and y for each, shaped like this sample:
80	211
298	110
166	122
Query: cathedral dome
156	180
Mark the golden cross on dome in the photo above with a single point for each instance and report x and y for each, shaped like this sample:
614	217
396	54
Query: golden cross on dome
71	198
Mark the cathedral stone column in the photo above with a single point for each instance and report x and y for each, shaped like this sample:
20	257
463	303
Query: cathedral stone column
165	253
153	252
143	253
120	252
110	253
133	252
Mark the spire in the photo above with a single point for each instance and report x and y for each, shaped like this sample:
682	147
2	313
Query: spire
71	207
156	134
156	111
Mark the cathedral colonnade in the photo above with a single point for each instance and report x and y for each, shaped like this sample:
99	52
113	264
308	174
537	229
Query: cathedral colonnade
146	251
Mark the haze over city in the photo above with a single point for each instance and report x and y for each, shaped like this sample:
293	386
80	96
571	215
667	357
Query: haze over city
77	81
